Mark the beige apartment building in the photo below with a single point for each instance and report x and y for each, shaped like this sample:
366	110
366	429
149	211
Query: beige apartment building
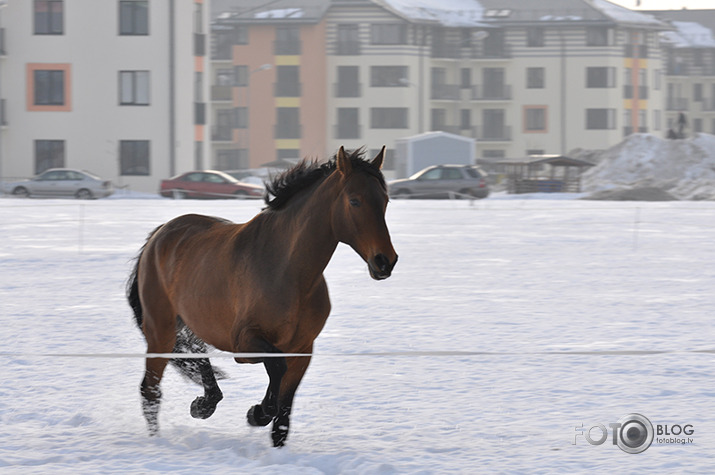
115	87
519	77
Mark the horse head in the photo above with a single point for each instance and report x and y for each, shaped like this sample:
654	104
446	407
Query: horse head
358	214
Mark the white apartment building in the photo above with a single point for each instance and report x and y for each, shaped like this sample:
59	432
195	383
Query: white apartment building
114	87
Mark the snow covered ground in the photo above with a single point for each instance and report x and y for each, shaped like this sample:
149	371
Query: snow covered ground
558	294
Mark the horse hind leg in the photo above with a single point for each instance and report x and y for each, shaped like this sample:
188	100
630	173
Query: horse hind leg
198	370
204	406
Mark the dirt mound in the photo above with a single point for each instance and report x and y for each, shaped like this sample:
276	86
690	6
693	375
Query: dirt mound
683	168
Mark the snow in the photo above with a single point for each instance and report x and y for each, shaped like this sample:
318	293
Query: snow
622	14
553	291
451	13
689	35
281	13
683	168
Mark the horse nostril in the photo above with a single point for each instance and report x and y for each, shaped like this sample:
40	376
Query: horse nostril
382	262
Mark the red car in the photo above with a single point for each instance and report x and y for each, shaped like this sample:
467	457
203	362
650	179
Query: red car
208	184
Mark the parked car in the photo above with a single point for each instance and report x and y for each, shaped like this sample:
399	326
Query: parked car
62	182
442	181
208	184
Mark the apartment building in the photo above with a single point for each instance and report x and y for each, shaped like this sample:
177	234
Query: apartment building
268	84
115	87
518	77
689	55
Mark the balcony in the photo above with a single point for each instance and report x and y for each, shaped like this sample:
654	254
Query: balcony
222	133
347	89
348	48
494	133
499	92
284	47
676	103
445	92
287	89
221	93
287	131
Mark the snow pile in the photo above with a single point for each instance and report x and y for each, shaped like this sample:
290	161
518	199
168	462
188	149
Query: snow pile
683	168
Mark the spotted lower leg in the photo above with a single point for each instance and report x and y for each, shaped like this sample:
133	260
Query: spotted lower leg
204	406
294	374
151	392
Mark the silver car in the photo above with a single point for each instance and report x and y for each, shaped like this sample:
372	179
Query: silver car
442	181
61	182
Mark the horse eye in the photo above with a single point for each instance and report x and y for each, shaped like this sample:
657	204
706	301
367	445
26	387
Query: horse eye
354	202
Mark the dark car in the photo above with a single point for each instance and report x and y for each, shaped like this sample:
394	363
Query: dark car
208	184
62	182
442	181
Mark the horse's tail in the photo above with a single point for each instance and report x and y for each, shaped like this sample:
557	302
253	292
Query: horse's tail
186	340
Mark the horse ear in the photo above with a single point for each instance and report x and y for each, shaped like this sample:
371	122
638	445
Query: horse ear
377	161
344	165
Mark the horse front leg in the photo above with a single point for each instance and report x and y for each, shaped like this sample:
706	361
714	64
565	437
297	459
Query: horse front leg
294	374
261	414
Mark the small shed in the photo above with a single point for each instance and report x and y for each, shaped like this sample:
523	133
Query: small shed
544	174
412	154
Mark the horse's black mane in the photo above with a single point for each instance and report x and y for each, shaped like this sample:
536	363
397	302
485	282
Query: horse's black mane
308	172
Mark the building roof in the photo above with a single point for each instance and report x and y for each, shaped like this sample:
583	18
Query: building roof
480	13
434	135
269	11
689	34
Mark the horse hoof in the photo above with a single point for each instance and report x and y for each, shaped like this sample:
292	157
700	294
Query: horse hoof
279	435
257	418
203	408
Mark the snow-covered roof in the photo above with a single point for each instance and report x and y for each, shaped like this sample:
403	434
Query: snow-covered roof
621	14
689	34
479	13
453	13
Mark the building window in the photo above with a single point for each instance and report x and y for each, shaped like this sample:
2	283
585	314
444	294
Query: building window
698	92
240	118
600	119
535	78
234	159
134	157
49	87
388	76
241	75
348	82
465	119
388	34
133	17
348	123
657	120
596	36
388	118
698	125
49	17
134	88
534	118
287	123
601	77
287	81
348	39
535	36
465	78
49	154
287	41
222	41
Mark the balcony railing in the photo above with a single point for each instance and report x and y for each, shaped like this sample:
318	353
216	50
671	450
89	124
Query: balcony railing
348	48
344	89
222	133
676	103
501	92
445	92
221	93
494	133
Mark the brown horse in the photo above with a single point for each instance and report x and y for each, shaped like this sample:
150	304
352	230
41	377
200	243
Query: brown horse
257	287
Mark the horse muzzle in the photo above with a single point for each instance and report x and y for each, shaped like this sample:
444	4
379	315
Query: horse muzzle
380	267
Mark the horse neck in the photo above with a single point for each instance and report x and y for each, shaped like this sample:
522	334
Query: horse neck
304	233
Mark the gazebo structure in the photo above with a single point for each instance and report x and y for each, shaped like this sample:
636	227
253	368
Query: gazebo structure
544	174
